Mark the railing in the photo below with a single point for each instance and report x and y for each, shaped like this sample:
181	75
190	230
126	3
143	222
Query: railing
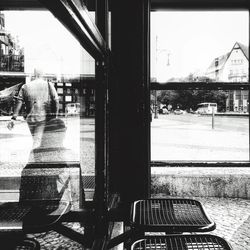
12	63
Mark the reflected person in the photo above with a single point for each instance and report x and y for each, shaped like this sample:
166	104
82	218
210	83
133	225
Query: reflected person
41	179
42	104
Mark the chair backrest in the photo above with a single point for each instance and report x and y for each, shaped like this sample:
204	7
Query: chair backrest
52	181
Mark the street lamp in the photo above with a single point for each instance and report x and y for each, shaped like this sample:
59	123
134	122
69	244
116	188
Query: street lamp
159	51
155	105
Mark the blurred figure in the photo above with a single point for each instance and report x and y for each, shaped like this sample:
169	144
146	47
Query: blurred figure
52	148
41	179
42	104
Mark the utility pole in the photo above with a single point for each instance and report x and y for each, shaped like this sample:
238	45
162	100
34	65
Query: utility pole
156	63
155	91
155	104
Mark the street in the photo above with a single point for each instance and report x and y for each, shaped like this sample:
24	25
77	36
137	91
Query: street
190	137
185	137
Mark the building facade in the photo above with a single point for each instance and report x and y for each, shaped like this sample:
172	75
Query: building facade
11	54
11	65
233	67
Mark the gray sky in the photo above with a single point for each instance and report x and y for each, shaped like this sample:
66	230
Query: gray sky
192	39
47	43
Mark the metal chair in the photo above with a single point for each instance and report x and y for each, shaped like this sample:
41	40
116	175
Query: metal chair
181	242
39	209
15	243
170	215
20	218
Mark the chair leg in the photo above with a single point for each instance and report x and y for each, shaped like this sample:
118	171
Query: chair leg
125	238
31	243
19	242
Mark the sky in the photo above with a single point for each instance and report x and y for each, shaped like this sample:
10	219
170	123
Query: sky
190	40
187	40
47	43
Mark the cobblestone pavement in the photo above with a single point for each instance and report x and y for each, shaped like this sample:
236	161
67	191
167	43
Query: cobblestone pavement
232	217
54	241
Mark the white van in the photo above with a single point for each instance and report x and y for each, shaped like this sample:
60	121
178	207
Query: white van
206	108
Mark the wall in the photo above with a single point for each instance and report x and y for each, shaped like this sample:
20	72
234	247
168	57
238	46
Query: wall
201	181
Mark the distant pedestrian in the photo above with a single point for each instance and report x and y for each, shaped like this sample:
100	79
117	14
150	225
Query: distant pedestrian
42	104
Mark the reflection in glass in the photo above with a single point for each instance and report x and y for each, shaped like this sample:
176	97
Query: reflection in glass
69	69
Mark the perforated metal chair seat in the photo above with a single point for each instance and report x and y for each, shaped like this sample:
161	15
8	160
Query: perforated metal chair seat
170	215
31	216
181	242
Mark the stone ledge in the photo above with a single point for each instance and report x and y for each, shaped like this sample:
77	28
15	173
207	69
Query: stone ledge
203	182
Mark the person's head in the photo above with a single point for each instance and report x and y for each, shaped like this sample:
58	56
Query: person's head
54	133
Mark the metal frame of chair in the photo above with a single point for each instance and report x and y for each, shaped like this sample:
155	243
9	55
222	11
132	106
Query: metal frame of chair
172	217
181	242
17	219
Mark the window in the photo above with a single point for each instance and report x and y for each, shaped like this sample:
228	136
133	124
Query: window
199	71
60	90
66	70
238	95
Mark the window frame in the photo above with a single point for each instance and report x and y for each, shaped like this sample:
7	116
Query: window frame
74	15
204	5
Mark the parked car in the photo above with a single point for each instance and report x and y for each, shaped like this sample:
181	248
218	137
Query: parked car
178	112
206	108
164	110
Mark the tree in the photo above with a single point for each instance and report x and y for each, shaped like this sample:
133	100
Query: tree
187	99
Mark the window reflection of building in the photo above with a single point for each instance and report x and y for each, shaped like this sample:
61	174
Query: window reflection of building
11	63
11	54
233	67
76	89
69	87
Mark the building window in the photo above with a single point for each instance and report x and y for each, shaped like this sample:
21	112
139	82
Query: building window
238	95
60	90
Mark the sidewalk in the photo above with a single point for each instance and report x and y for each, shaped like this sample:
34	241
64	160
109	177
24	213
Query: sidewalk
232	218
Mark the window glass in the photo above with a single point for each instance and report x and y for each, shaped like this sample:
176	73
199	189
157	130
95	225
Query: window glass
67	74
202	46
188	126
199	124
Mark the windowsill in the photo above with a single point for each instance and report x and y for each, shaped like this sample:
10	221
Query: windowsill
231	182
201	171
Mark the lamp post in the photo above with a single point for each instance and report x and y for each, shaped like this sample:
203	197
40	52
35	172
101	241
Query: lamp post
157	61
155	105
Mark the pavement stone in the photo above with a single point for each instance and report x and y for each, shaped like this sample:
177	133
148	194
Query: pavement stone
232	217
52	240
